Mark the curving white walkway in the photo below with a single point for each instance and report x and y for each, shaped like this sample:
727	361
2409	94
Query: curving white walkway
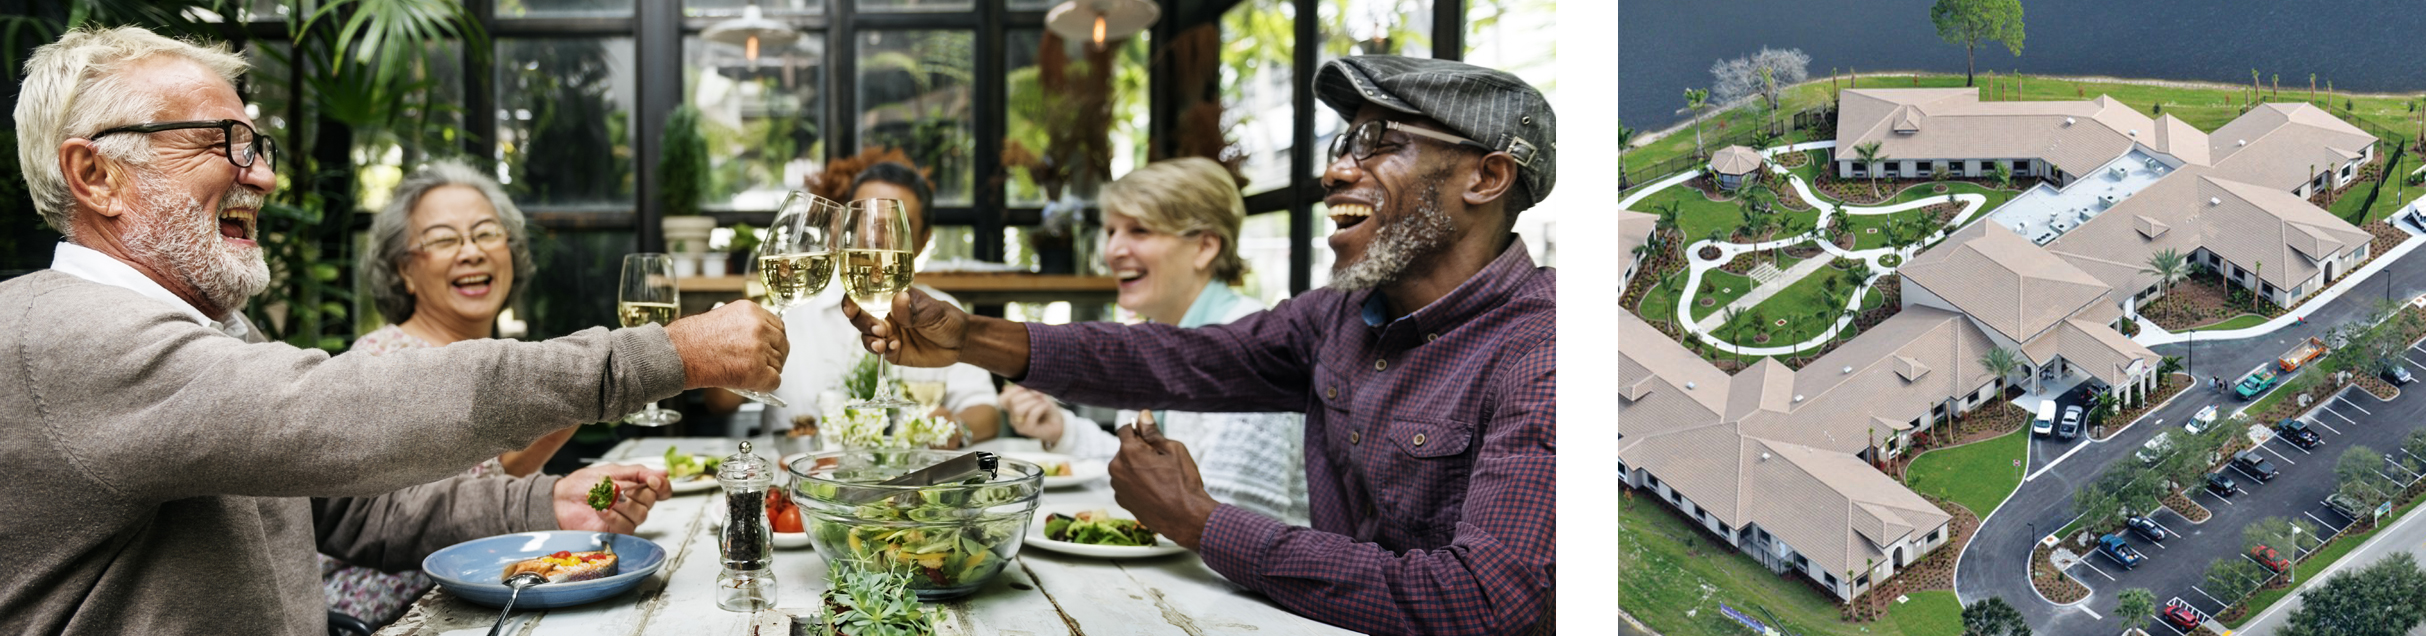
1973	204
2151	336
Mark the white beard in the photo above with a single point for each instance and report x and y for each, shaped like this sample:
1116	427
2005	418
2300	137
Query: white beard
182	239
1397	246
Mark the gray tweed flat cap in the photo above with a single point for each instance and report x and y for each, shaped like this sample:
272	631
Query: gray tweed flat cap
1485	105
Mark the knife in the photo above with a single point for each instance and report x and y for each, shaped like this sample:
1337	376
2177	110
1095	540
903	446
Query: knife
948	471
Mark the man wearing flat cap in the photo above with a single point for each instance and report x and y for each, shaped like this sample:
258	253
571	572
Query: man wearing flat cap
1426	370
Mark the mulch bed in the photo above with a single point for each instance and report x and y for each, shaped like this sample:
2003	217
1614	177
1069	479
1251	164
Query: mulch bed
1933	572
1804	250
2386	237
2378	387
2165	390
1709	252
2182	505
2201	299
1792	159
2056	586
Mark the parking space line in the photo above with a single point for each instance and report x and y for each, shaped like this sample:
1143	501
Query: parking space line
2346	400
2221	498
2321	422
2287	442
2161	526
2389	476
2093	568
2236	467
2338	414
2321	520
2210	597
2329	506
2413	361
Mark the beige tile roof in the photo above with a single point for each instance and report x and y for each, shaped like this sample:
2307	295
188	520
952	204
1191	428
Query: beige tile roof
2287	144
2248	225
1951	123
2004	280
1633	230
2182	140
1735	160
1832	507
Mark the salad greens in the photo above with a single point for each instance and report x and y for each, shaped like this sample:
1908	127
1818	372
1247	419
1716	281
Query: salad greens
945	536
603	495
1097	528
680	465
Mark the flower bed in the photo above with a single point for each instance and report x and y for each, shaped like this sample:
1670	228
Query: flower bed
2051	583
2202	299
2386	237
2182	505
2169	386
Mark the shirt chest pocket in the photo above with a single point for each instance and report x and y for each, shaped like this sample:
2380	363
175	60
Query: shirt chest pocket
1419	476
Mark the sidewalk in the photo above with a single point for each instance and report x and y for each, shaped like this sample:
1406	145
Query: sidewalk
2154	337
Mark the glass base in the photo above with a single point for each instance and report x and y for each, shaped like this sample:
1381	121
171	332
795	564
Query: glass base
882	402
745	590
766	398
653	417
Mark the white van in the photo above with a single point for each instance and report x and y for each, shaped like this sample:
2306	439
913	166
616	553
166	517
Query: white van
2044	424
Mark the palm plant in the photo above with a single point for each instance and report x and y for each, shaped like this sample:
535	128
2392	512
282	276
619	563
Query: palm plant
2002	362
1732	315
1695	100
2003	174
2168	266
1625	139
1870	155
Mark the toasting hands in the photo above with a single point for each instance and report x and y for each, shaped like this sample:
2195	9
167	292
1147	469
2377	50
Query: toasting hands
737	346
1156	479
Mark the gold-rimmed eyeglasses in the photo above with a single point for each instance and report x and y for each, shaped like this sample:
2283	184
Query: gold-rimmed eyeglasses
443	240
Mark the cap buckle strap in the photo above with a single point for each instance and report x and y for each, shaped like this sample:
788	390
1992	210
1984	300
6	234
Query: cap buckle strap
1522	151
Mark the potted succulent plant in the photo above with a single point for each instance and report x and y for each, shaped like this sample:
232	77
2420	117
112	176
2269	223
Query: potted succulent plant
873	603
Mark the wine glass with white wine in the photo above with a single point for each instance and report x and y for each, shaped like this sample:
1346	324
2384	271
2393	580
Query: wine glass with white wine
876	264
648	296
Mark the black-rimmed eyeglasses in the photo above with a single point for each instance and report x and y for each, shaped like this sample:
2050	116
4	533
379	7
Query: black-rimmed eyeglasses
1366	137
242	145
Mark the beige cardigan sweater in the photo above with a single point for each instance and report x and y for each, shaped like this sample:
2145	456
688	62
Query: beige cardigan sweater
170	479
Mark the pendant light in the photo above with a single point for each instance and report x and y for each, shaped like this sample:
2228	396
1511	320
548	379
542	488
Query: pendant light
1098	22
751	31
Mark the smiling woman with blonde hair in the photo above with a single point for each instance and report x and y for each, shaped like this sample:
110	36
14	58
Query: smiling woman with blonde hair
1171	237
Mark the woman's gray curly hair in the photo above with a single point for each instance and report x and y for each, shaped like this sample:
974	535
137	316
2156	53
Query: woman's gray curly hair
382	265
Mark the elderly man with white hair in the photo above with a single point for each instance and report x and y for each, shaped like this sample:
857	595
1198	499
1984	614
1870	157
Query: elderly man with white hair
175	472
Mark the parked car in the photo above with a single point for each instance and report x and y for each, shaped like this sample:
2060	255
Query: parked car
2221	484
2347	505
2044	424
2181	616
2070	427
2267	557
2398	375
2146	528
2298	432
2155	447
2114	548
2256	465
2199	422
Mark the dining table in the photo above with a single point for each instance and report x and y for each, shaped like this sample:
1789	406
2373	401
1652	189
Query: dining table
1039	592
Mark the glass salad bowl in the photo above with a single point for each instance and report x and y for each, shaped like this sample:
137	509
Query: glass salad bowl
951	537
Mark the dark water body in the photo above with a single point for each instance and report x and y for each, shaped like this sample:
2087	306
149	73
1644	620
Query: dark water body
1667	46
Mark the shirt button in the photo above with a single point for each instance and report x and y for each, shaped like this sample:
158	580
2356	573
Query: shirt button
1332	393
1419	439
1431	337
1352	437
1380	364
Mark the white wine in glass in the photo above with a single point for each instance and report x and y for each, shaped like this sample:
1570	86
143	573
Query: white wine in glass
876	264
648	296
793	278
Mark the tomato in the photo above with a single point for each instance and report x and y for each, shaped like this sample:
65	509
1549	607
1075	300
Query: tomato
595	557
787	520
563	554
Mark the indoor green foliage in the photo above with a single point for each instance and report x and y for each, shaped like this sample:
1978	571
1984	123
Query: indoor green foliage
875	603
2384	599
682	168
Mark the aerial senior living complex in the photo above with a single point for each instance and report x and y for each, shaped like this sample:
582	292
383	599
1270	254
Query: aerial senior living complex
1779	461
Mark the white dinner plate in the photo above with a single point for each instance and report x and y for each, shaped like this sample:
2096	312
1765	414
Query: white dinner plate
1036	535
697	483
779	539
1083	471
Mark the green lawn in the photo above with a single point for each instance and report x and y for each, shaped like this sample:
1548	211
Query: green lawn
1796	303
2316	564
1676	577
1860	226
2235	322
1698	216
2393	195
2203	107
1932	612
1725	288
1978	475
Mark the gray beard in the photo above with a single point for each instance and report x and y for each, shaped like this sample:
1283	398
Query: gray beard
1398	246
181	239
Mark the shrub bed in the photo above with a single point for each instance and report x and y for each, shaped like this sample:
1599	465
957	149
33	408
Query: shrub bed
2182	505
2052	583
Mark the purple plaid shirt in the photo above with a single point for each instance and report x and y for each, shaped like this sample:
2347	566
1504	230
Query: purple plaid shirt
1443	523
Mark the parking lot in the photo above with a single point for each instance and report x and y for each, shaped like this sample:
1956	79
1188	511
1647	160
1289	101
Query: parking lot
2176	569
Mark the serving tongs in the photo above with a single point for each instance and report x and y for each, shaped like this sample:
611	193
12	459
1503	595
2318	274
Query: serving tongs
950	471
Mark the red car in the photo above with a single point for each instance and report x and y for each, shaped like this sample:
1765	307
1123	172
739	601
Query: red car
2266	556
2180	615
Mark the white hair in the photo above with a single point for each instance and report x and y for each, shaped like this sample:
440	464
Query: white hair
77	86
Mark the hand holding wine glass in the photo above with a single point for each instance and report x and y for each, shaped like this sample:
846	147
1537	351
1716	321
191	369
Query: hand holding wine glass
876	264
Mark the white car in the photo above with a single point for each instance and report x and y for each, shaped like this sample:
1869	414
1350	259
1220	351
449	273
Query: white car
2156	446
2199	423
2044	424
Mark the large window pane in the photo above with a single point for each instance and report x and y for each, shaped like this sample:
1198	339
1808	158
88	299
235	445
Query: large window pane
428	125
887	6
1031	5
1258	47
763	119
1368	27
732	8
564	121
914	94
1050	122
564	8
1519	36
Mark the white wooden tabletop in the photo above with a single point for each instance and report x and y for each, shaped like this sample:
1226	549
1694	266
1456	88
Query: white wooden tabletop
1043	592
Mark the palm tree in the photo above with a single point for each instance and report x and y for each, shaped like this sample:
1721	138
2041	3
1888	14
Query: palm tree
2000	361
1625	139
1733	314
2003	175
1695	100
2168	266
1870	155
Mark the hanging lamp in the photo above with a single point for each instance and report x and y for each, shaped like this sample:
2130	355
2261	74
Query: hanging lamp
1098	22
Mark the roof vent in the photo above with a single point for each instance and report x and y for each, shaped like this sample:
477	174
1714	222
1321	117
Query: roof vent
2067	121
1688	385
1798	397
1764	456
2243	142
1848	369
2135	132
2215	200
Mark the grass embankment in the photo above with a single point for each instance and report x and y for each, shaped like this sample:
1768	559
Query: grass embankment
1979	475
2206	107
2316	564
1932	612
2236	322
1676	576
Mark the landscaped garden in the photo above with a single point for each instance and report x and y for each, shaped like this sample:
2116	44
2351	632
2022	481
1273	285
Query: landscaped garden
1979	475
1931	612
1806	309
1718	289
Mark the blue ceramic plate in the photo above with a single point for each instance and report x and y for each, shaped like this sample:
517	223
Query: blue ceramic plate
473	569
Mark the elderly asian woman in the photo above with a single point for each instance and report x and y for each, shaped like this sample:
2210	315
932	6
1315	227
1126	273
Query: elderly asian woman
445	255
1171	237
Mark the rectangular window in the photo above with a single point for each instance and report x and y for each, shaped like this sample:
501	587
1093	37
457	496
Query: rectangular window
564	120
1258	58
1933	534
763	119
914	94
1862	582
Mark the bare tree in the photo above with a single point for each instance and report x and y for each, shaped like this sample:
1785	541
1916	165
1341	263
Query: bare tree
1740	78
